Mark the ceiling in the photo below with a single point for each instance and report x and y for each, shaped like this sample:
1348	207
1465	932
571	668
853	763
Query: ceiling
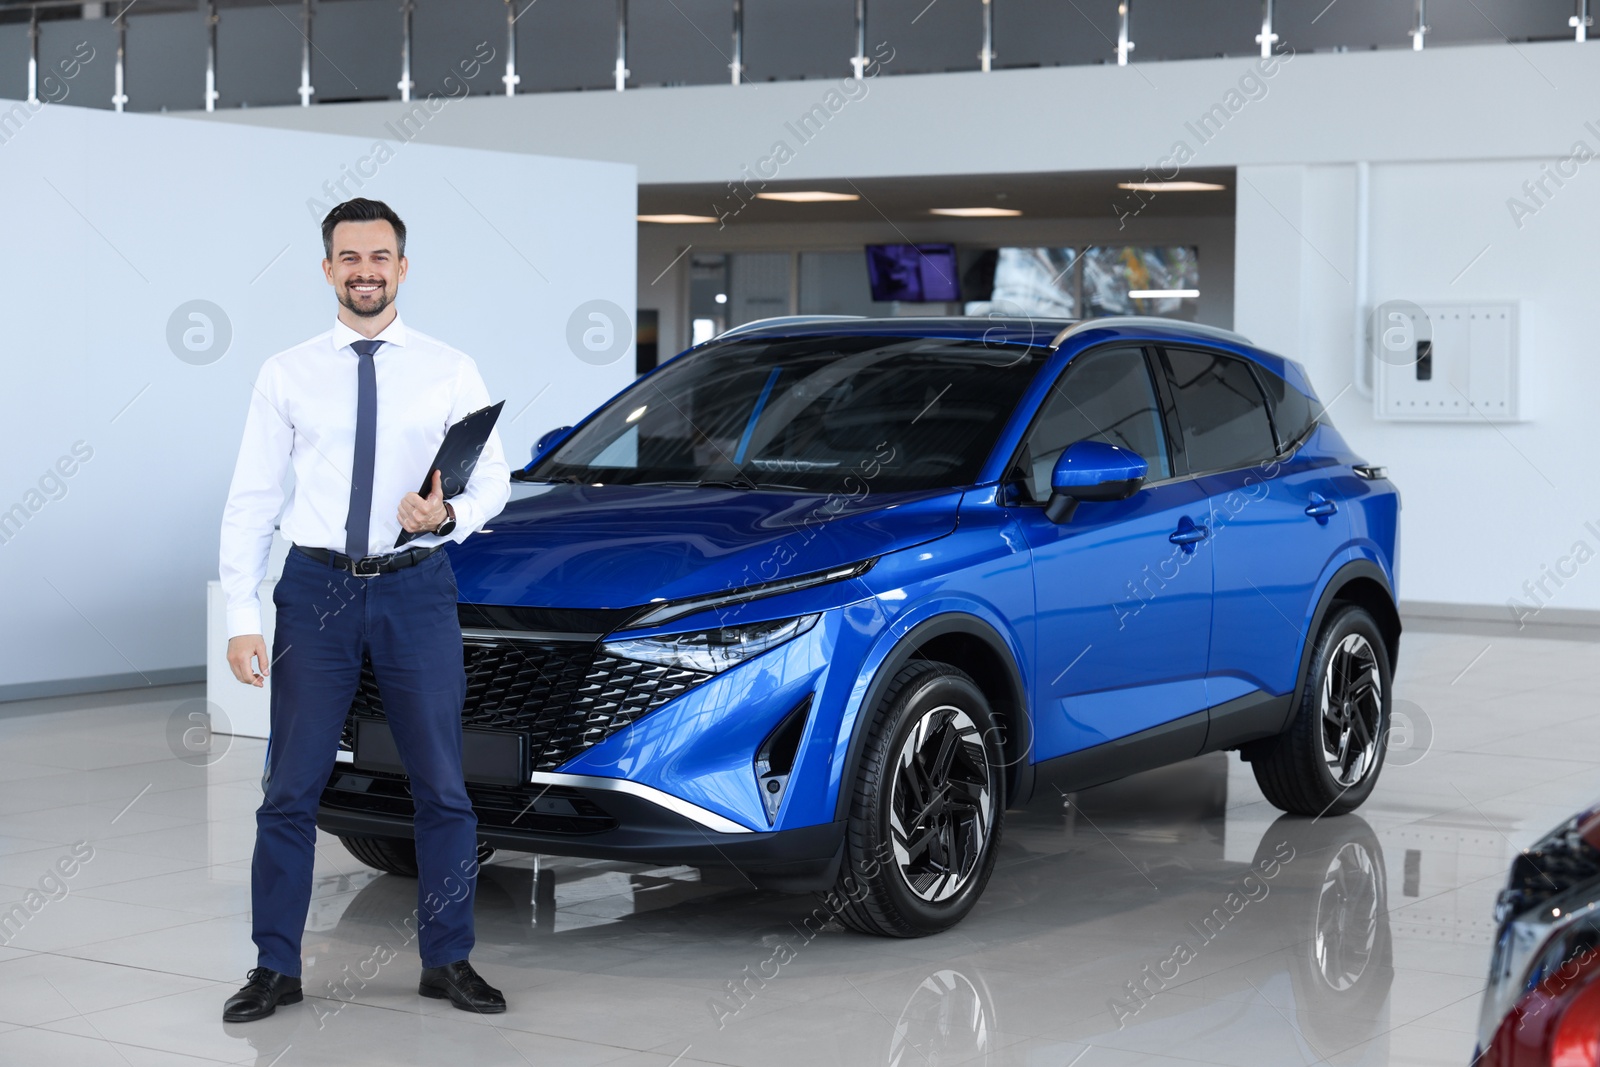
1064	195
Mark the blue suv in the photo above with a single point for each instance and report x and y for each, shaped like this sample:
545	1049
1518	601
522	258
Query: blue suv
820	599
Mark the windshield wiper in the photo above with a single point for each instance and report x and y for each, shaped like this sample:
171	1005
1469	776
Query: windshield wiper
700	484
717	483
520	475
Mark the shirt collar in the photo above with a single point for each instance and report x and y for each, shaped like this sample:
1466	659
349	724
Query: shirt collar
394	333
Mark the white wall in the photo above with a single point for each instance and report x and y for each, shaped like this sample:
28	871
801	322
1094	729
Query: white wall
1451	132
116	220
1486	507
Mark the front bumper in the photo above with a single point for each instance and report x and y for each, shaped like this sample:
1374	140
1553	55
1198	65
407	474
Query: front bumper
609	819
622	760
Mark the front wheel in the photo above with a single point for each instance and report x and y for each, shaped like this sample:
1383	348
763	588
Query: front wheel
1327	762
396	855
391	855
926	810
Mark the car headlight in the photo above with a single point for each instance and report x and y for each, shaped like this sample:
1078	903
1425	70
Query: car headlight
711	650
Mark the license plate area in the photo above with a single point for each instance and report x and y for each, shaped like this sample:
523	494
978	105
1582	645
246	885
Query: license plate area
488	757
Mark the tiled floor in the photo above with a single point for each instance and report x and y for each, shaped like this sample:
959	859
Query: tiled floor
1363	939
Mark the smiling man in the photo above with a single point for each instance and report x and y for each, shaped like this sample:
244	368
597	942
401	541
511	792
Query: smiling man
358	413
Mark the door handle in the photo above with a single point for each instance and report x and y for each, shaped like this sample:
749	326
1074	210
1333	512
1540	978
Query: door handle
1188	534
1321	508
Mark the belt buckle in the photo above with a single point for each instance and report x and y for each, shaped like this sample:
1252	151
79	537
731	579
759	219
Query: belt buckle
357	565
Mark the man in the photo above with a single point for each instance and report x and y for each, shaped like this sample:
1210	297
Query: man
359	413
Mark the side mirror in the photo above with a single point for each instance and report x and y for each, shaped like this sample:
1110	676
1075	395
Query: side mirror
546	442
1093	470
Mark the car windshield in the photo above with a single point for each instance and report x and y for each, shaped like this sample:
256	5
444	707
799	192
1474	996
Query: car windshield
829	414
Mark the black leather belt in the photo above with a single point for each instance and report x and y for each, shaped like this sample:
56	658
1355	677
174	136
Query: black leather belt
369	566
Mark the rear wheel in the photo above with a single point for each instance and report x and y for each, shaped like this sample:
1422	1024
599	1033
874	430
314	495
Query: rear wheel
1327	762
927	807
396	855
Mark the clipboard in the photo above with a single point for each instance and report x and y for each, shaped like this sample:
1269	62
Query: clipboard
457	457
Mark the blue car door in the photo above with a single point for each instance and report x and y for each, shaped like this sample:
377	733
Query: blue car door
1276	521
1123	589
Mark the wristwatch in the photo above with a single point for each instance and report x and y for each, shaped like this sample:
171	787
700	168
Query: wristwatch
448	526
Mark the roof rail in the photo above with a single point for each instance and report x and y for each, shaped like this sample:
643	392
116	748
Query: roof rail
782	320
1148	321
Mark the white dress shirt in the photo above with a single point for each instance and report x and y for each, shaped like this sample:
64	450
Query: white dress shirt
303	412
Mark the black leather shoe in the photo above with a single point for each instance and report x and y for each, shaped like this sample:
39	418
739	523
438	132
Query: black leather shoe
261	995
465	988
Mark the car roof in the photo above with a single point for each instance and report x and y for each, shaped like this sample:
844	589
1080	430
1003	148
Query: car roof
1010	330
1043	331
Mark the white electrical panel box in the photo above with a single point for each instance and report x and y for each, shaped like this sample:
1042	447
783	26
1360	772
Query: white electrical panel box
1445	362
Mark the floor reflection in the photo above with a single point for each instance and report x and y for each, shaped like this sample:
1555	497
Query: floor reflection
1144	914
1330	989
1134	923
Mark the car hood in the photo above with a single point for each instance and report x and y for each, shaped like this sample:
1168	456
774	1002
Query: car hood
618	546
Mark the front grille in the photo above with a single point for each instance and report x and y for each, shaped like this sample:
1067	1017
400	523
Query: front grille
1562	860
566	696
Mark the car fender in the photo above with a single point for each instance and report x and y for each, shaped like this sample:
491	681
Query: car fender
1354	566
895	648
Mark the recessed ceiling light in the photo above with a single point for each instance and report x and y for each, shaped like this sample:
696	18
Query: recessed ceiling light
1163	294
807	196
1172	187
677	218
976	212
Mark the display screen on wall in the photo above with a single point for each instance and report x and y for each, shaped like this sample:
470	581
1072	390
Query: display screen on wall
1032	281
1102	280
1132	280
915	274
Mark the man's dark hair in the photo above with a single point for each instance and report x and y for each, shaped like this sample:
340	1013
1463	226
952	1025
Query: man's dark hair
363	210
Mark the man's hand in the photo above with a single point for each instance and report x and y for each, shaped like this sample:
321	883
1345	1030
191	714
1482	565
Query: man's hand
241	650
423	514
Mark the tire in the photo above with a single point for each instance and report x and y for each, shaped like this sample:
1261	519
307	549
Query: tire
933	736
391	855
396	855
1328	760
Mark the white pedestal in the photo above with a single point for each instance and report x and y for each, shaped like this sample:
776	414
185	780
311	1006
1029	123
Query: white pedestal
248	710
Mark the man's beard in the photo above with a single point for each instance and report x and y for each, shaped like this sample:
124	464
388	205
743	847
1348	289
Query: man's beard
369	312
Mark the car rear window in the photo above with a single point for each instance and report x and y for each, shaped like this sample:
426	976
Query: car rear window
1293	413
1221	410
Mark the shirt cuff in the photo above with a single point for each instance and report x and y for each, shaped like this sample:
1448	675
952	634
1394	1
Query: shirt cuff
245	619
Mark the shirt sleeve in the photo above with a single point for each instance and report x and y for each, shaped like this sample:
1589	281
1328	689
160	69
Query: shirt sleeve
254	499
490	485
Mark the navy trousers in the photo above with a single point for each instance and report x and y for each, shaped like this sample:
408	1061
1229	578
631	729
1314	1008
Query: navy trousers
406	623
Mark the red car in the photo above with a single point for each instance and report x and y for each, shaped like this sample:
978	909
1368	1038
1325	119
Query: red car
1542	1005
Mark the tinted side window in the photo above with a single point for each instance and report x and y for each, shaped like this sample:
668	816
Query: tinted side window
1292	411
1221	410
1103	395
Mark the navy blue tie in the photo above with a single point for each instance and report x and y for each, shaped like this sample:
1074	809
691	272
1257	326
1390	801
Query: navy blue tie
358	520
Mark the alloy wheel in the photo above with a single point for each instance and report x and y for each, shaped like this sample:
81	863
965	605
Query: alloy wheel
1352	708
941	804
